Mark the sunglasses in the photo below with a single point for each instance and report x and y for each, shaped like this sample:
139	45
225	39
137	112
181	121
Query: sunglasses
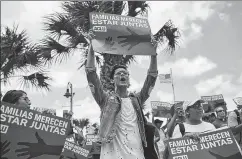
219	111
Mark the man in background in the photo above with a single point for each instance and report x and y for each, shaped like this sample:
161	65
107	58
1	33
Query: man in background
234	122
221	120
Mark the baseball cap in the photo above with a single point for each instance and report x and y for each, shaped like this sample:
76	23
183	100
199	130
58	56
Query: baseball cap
187	104
158	121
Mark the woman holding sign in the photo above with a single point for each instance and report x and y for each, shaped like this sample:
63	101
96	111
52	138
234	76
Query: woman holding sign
123	128
17	97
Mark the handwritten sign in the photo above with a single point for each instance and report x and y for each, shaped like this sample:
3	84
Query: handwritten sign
74	151
26	133
161	109
210	102
117	34
218	144
238	100
91	138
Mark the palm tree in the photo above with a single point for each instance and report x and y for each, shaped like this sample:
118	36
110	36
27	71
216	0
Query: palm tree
72	25
81	122
19	55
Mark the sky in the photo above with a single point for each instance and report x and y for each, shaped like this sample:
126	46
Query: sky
208	60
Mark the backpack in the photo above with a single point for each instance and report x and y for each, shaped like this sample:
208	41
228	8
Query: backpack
239	121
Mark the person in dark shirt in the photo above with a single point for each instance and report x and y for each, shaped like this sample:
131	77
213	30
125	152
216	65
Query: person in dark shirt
221	120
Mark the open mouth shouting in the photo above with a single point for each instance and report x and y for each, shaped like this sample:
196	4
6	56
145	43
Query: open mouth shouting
122	79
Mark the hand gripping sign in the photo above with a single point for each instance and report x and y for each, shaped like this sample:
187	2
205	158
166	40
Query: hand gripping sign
117	34
219	144
27	134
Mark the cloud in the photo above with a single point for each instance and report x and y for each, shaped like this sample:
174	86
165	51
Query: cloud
134	85
86	108
224	17
183	14
164	96
188	68
220	84
60	79
141	59
240	79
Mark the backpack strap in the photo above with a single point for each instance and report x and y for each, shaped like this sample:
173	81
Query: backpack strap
182	128
238	116
239	122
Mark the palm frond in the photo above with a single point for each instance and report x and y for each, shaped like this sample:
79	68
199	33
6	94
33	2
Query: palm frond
81	122
53	51
118	7
128	59
17	53
38	79
79	12
137	7
168	32
59	25
84	59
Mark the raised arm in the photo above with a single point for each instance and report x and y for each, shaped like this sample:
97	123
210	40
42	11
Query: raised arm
171	125
93	79
149	81
233	123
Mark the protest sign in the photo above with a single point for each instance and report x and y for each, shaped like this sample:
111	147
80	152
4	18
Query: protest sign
238	100
117	34
91	140
161	109
219	144
45	110
74	151
26	133
210	102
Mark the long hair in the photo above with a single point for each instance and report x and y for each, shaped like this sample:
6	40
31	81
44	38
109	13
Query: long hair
13	96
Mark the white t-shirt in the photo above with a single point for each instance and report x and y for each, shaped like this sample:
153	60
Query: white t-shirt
127	143
203	127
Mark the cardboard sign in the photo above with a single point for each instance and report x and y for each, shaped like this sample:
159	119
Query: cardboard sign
26	133
117	34
211	101
74	151
45	110
91	139
161	109
238	100
218	144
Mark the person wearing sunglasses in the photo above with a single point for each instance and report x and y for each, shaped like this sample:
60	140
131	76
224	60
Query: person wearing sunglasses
17	97
193	123
221	120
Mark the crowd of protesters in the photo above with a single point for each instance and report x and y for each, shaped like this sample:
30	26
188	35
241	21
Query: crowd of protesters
186	121
124	131
20	98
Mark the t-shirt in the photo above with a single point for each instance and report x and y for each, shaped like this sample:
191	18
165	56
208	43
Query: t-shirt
203	127
127	142
218	123
232	121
